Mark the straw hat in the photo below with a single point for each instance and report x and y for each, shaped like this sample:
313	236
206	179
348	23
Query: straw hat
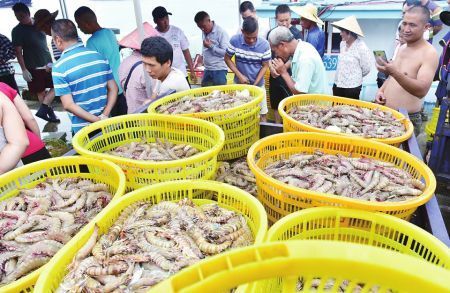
349	23
132	40
43	16
309	11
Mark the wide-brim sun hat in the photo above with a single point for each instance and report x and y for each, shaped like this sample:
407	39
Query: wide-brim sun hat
43	16
133	40
349	23
308	11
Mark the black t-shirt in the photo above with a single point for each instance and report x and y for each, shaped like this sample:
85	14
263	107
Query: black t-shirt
34	45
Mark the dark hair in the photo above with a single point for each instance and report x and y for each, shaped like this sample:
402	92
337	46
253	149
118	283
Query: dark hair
283	8
350	33
200	16
246	5
21	7
425	12
250	25
65	29
86	13
159	48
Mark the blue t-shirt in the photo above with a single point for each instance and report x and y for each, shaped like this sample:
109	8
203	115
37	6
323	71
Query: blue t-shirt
104	41
249	59
84	74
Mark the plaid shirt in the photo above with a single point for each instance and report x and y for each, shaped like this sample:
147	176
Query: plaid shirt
6	54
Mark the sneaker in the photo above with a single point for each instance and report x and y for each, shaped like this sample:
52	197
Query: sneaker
44	113
51	114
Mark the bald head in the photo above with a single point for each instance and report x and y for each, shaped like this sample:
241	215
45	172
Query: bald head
422	11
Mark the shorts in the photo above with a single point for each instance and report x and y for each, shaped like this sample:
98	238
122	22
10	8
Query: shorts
264	109
41	80
278	91
416	120
9	80
214	77
40	155
120	108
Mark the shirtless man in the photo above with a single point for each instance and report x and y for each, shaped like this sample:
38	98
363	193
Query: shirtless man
412	71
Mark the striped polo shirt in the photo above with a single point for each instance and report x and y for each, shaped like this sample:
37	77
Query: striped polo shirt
249	59
83	73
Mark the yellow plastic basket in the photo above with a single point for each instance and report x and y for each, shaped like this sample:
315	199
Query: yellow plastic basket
203	135
240	124
286	261
290	124
281	199
361	227
227	196
99	171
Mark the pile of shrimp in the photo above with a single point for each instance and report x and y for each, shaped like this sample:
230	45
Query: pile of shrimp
37	222
148	243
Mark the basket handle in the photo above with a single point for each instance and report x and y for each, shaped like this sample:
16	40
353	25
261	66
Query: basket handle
292	259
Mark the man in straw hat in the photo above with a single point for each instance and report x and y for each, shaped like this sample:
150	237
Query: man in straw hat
308	71
310	22
412	71
355	59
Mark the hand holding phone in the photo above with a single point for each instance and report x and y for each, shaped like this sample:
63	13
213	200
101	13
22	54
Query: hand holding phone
380	55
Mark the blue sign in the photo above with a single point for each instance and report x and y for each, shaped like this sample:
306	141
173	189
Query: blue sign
330	62
10	3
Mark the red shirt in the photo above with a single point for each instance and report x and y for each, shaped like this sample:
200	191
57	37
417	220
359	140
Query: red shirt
36	143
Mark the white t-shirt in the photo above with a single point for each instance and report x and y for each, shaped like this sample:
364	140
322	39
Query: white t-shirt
179	42
176	80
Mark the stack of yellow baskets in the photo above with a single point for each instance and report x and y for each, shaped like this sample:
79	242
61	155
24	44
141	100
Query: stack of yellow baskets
240	124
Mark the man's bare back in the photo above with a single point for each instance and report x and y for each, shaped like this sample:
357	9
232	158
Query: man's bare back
412	71
410	61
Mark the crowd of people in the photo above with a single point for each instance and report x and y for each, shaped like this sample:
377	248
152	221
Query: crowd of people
93	83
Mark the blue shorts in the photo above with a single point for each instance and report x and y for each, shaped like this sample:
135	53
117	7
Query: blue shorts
214	77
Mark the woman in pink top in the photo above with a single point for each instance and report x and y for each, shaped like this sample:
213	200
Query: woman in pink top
13	138
36	149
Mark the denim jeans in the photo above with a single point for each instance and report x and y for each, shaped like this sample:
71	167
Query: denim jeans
214	77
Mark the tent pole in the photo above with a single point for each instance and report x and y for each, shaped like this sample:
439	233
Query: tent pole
62	4
140	28
239	14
